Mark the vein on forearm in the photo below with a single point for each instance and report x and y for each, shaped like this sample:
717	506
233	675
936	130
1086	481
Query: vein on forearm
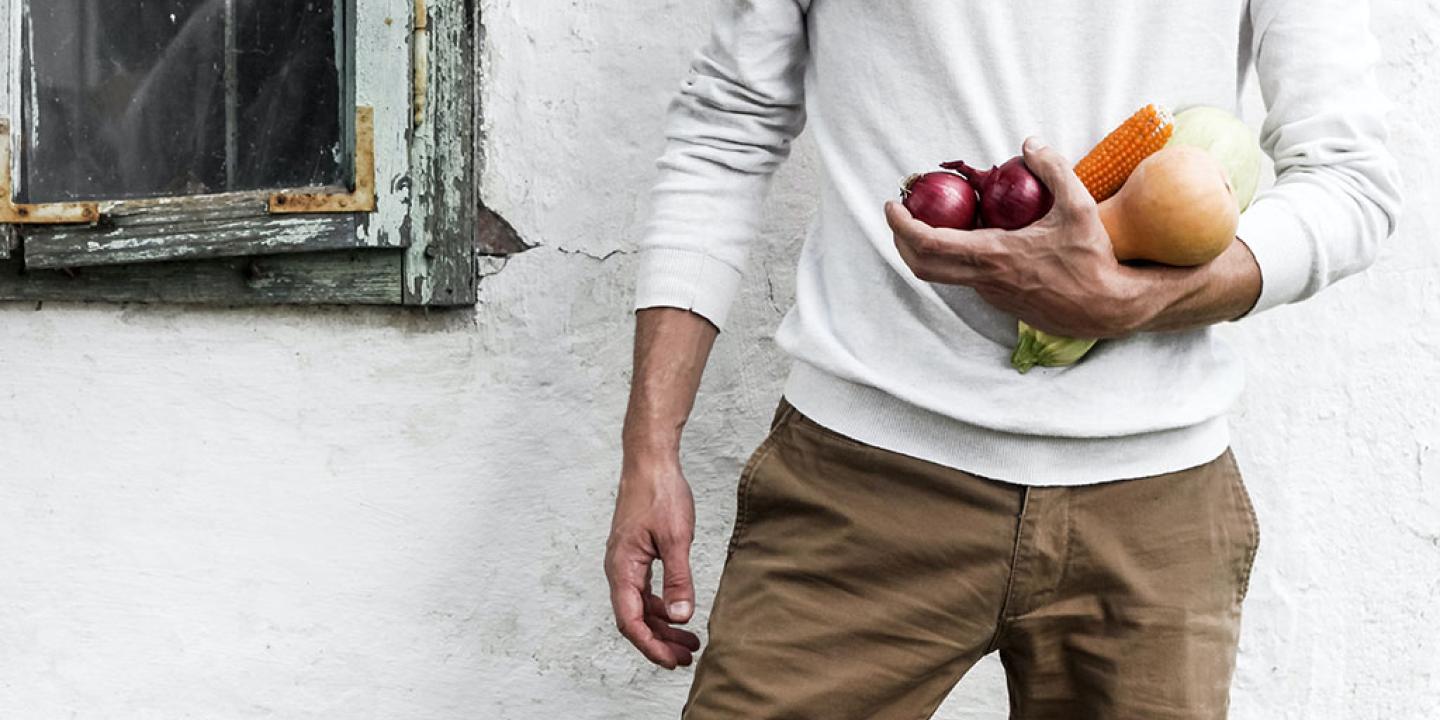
671	349
1221	291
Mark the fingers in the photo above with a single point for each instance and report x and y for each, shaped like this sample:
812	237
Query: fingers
676	646
906	234
1057	174
913	238
956	257
678	587
629	586
902	222
655	614
643	617
630	618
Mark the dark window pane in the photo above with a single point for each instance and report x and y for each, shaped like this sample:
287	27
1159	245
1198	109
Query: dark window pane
146	98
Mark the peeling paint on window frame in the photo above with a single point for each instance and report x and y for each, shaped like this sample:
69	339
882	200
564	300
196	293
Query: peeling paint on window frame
426	229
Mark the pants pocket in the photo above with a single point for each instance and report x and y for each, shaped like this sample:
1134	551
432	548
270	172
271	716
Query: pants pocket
747	475
1251	521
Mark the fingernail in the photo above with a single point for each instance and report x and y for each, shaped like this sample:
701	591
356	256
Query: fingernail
679	609
1034	144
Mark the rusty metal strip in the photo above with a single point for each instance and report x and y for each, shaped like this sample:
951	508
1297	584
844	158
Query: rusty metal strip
14	213
362	199
420	61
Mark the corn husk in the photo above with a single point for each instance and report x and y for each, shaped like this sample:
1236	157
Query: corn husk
1046	350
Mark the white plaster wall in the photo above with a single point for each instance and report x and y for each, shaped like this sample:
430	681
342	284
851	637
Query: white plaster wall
361	514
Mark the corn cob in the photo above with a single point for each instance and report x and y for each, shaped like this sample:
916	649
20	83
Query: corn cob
1109	165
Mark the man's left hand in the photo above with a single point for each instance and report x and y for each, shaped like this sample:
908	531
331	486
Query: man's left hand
1059	275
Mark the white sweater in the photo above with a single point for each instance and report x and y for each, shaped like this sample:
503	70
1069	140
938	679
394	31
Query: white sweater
891	88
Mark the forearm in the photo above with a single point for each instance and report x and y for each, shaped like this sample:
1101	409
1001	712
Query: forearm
671	349
1173	299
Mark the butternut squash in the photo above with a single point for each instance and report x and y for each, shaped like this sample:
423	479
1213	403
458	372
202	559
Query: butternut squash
1177	208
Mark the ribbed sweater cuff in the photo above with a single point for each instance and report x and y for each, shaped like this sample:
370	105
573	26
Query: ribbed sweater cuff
1281	246
688	280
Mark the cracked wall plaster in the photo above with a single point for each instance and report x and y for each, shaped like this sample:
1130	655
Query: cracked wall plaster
375	514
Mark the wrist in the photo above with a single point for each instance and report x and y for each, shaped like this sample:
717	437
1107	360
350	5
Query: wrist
649	467
650	445
1143	295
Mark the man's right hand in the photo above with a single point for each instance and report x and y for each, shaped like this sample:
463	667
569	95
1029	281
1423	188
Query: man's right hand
654	520
655	512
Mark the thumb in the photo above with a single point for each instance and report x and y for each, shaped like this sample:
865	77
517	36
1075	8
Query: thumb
1057	174
679	590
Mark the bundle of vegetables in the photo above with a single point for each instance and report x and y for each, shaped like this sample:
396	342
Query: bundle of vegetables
1175	201
1170	190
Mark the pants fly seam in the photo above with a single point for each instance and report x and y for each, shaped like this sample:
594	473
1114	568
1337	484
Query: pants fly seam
1010	577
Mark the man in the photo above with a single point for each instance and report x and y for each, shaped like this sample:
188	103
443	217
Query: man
919	504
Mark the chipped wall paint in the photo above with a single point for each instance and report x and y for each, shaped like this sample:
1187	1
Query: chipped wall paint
358	513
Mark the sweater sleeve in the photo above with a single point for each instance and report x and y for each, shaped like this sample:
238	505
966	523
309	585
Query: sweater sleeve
1337	191
727	131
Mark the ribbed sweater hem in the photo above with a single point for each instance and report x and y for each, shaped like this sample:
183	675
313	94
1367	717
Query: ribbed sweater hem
877	418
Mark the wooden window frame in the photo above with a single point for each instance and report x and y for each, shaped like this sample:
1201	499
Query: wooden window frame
421	247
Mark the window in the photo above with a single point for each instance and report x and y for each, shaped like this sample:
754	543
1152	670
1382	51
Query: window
241	151
192	98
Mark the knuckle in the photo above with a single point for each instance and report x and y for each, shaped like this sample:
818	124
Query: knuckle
986	256
632	629
924	246
617	562
1078	212
982	259
672	542
679	534
621	538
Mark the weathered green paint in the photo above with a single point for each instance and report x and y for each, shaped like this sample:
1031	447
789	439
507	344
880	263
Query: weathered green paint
382	62
186	229
440	264
362	277
427	180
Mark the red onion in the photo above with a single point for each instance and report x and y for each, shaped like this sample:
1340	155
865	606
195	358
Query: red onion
1011	197
940	199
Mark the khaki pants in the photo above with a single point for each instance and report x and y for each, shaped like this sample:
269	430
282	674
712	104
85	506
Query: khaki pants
862	583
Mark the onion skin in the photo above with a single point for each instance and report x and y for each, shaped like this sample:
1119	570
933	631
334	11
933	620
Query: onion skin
940	200
1011	197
